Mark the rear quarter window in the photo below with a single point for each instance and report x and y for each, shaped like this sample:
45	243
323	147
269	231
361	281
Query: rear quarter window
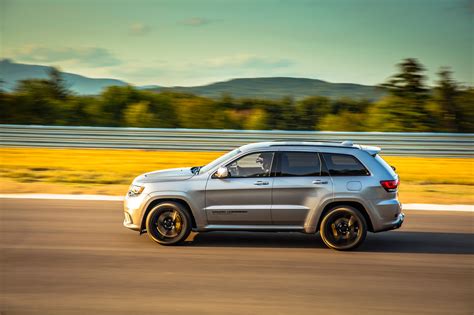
385	165
344	165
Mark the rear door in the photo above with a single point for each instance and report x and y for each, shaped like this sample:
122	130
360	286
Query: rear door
300	185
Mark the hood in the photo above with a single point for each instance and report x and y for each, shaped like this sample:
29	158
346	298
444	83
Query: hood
172	174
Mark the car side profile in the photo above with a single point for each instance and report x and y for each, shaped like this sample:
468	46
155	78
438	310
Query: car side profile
341	190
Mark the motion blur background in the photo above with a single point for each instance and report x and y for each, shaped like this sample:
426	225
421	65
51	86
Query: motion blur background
201	77
371	66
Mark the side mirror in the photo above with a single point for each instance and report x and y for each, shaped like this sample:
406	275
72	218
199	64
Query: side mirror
222	172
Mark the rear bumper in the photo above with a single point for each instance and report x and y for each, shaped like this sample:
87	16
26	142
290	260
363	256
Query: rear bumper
394	224
399	222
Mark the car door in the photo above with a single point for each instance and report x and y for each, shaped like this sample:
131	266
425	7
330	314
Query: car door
301	184
350	177
245	197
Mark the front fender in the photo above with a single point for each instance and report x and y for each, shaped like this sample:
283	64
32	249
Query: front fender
194	205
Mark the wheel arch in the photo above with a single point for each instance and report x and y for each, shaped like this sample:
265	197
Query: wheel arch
159	200
354	204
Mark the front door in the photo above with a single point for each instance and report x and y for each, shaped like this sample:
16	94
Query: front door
245	197
301	184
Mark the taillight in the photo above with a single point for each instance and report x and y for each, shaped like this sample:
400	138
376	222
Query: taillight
390	185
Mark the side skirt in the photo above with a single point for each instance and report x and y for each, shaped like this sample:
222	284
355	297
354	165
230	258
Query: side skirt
252	228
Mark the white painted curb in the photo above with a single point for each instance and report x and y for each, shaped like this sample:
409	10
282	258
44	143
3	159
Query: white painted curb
62	197
406	206
433	207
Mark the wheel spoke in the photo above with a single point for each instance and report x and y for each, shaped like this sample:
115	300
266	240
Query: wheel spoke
352	220
174	214
334	230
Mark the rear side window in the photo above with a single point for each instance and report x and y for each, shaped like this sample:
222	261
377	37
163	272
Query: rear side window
299	164
385	165
344	165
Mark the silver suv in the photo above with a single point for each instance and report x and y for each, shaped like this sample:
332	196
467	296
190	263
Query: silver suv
341	190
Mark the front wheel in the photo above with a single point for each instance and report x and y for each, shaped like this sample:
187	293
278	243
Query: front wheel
168	223
343	228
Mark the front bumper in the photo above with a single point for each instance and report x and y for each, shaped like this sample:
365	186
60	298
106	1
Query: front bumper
128	223
132	210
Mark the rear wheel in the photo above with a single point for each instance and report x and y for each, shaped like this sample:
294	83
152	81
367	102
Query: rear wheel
168	223
343	228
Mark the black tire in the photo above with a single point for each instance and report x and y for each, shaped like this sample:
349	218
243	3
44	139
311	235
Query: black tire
168	223
343	228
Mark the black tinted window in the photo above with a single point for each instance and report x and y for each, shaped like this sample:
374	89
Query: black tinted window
344	165
299	164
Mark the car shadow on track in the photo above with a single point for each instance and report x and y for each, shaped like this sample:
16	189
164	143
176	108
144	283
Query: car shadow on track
420	242
388	242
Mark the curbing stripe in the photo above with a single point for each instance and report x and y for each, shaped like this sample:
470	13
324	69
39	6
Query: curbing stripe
434	207
62	197
406	206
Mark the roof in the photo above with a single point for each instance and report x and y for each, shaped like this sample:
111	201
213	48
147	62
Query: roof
346	144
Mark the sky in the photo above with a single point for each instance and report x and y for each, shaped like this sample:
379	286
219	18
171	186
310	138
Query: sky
196	42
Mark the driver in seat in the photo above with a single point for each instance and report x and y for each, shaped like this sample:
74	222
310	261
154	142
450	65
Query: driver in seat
265	161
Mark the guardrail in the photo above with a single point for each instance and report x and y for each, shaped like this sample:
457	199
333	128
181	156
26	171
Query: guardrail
392	143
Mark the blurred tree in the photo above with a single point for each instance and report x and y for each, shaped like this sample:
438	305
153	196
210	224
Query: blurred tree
200	112
343	121
405	108
58	87
257	120
113	102
311	110
139	115
34	104
465	106
395	113
446	95
349	105
409	83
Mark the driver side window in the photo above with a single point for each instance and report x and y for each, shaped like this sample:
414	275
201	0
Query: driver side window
252	165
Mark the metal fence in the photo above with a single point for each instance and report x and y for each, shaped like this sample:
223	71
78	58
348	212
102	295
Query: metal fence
392	143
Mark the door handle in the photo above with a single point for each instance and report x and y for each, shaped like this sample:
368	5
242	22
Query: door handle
261	183
318	181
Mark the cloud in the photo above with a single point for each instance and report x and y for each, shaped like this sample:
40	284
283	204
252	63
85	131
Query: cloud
139	29
86	56
195	21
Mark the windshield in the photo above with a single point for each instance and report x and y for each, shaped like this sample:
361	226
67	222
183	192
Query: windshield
219	160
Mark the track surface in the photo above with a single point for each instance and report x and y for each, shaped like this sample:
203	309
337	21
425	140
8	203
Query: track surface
74	257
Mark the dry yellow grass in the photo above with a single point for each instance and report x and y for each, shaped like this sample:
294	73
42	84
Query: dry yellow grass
99	171
423	170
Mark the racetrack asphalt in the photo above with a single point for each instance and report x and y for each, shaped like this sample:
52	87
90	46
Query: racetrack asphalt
74	257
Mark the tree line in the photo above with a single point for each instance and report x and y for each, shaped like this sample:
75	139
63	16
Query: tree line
409	105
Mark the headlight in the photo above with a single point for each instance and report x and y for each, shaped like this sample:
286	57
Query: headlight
135	190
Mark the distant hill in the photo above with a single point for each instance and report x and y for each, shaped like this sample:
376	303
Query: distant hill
11	73
278	87
270	88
